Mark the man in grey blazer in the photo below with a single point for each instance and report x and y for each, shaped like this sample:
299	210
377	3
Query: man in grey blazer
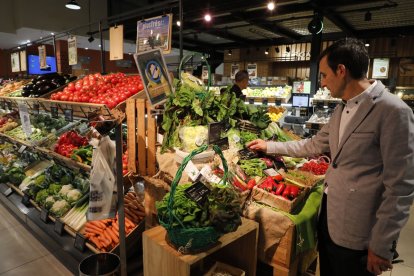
369	186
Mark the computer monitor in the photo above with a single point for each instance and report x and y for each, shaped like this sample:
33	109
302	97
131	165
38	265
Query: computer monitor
300	100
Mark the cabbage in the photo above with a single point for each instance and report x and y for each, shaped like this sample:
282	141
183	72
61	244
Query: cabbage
193	137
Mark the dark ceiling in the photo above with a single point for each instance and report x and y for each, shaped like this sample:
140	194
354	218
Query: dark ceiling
241	23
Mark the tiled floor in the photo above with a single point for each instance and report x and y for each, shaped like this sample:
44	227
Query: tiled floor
22	254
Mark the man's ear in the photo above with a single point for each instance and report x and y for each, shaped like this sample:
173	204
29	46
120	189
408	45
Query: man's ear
341	69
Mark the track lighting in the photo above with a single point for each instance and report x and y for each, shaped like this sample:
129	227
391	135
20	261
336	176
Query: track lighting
271	6
73	5
207	17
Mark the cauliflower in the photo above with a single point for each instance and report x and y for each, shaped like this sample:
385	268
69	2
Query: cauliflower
50	200
73	195
65	189
60	207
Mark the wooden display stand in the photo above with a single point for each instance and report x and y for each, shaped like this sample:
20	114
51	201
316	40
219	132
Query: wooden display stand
238	249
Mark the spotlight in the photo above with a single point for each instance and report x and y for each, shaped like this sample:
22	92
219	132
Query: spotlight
18	47
178	23
271	6
287	49
367	44
90	39
86	48
73	5
267	51
368	16
277	50
207	17
230	52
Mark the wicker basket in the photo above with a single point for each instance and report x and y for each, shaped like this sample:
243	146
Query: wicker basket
245	125
190	240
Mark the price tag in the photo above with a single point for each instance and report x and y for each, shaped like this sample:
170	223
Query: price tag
265	101
8	192
25	119
68	115
9	105
192	171
214	132
59	226
80	242
209	175
36	108
44	215
332	105
247	154
271	172
198	193
251	101
22	149
26	200
278	102
54	112
3	105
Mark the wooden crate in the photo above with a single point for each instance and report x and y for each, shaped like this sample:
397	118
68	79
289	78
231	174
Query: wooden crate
260	195
141	137
155	190
237	248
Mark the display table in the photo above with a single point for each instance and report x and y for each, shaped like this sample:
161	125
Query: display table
237	248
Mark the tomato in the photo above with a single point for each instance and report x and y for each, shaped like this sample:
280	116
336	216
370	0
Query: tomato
140	87
64	97
70	87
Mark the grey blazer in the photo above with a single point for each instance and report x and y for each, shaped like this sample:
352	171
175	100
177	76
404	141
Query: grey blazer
371	178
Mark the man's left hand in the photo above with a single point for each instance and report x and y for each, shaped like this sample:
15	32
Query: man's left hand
377	264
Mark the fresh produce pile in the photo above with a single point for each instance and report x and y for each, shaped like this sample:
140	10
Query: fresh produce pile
19	134
275	112
316	167
76	217
12	86
276	186
47	124
269	92
253	167
14	175
221	211
105	233
72	145
134	210
125	163
110	89
7	123
44	84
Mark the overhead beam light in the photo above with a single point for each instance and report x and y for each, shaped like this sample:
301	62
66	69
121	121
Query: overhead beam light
271	6
267	51
178	23
230	52
207	17
73	5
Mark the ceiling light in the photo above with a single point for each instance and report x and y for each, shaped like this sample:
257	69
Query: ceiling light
277	49
52	33
368	16
73	5
207	17
90	39
28	41
287	49
86	48
178	23
18	47
99	45
271	6
267	51
230	52
366	44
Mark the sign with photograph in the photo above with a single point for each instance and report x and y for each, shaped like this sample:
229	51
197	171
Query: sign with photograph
154	33
234	69
204	73
380	68
72	51
252	70
154	74
23	61
116	42
42	57
15	62
406	67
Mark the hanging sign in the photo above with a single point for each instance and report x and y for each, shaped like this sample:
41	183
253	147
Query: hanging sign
42	57
154	33
116	42
406	67
252	70
15	62
25	119
154	74
234	69
204	73
380	68
72	50
23	64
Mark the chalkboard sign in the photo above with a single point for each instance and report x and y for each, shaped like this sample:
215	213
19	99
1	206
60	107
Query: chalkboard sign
59	226
68	115
198	193
247	154
214	132
54	112
44	215
8	192
278	102
26	200
223	143
80	242
251	101
35	109
332	105
265	101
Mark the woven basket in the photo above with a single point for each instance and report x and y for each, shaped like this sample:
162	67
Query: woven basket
245	125
190	240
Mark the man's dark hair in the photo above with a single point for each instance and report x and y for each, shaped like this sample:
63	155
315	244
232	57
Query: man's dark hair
241	75
350	52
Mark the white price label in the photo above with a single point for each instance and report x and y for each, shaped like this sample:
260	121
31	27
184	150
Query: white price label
192	171
271	172
25	119
208	174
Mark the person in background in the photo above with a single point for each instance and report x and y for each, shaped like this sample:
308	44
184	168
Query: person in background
241	80
369	186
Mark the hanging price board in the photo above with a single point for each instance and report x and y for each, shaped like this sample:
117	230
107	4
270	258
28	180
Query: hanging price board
68	115
25	119
54	112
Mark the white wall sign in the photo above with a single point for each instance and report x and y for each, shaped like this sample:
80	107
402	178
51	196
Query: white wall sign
72	51
234	69
23	61
15	62
380	68
252	70
42	56
116	42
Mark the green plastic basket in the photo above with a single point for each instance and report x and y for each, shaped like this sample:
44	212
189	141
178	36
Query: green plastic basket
190	240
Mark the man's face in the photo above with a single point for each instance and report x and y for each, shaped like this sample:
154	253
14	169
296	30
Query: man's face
244	83
334	81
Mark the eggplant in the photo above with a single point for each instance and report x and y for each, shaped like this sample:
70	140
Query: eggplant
26	93
43	89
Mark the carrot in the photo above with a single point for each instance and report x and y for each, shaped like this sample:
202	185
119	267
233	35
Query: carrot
128	223
93	226
97	224
112	235
93	231
105	242
106	235
97	242
116	226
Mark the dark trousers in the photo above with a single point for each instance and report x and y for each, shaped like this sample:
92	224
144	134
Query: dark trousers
336	260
